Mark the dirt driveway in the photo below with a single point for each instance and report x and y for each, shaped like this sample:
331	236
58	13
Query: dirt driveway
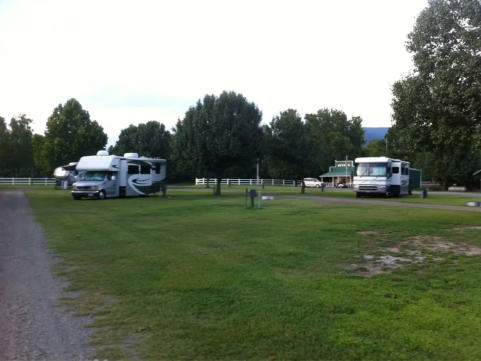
32	327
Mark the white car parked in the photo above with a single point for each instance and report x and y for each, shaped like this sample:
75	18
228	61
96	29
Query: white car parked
313	182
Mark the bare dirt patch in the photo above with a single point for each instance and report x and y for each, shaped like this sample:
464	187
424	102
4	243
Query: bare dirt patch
460	229
369	233
414	250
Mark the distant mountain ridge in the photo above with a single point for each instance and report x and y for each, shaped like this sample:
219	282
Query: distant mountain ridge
371	133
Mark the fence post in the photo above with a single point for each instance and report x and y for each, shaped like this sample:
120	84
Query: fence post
272	181
13	180
283	182
45	180
30	181
238	181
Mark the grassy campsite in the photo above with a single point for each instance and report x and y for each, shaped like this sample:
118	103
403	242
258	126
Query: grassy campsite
193	276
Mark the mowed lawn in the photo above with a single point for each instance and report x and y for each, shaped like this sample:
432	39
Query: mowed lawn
198	277
432	198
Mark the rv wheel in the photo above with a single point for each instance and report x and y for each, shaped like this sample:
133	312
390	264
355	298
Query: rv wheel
77	198
101	195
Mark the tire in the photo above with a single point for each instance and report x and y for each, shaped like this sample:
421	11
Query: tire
358	195
101	195
77	198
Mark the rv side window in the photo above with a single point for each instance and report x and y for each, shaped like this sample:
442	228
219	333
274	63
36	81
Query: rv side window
157	168
145	169
395	170
133	169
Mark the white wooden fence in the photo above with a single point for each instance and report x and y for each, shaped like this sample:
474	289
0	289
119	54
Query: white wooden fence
27	181
250	181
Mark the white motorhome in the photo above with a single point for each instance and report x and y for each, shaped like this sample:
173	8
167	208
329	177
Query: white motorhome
382	176
105	175
65	175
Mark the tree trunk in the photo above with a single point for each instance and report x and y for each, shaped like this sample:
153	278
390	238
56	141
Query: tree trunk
444	184
303	187
217	186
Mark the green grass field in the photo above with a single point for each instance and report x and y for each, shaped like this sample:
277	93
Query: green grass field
200	277
433	197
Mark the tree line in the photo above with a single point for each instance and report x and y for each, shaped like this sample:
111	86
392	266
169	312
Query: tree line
436	122
220	136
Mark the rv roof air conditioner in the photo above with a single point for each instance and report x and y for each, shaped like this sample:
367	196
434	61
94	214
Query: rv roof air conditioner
131	155
102	152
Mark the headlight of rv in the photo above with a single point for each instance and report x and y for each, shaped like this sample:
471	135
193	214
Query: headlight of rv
95	187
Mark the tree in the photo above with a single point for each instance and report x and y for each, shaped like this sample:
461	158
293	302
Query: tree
71	134
20	147
150	139
40	165
287	150
4	137
332	136
219	133
375	148
437	109
16	153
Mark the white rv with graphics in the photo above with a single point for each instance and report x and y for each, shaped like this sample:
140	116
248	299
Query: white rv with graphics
381	176
105	175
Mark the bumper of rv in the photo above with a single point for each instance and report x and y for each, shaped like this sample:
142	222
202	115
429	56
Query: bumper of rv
370	189
90	193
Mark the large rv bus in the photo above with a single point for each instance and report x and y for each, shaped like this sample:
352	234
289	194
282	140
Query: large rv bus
384	176
105	175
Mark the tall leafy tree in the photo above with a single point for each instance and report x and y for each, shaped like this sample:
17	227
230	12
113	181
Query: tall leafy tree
4	147
40	164
332	136
287	150
150	139
375	148
437	109
16	153
71	134
219	133
20	147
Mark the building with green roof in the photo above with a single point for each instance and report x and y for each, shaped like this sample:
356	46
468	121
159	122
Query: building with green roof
340	173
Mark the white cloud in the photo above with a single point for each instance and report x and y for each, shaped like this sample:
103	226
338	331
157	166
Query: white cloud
129	61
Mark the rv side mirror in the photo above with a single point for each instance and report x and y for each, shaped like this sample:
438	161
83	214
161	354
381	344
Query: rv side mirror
113	177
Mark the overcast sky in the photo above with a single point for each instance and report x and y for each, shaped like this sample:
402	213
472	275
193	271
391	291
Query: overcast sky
129	62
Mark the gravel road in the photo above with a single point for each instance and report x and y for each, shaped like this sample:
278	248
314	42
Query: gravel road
32	327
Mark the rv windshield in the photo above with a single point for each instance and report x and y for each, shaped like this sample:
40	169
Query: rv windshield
93	176
371	169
